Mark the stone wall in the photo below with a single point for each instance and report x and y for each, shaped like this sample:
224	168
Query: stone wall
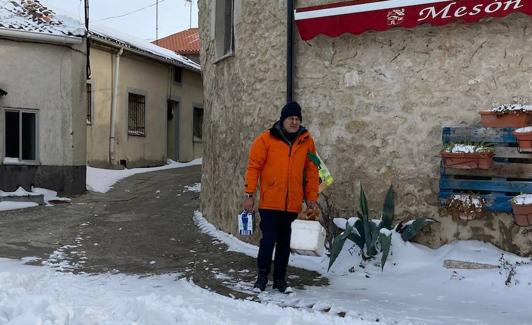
375	103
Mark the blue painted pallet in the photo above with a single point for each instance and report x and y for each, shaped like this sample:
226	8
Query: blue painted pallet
510	175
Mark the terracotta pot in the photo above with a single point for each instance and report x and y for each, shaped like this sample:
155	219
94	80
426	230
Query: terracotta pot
522	214
477	160
491	119
525	141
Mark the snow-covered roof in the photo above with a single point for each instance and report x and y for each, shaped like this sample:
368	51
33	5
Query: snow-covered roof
127	41
32	16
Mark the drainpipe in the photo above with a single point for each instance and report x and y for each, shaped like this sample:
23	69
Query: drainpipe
114	100
290	51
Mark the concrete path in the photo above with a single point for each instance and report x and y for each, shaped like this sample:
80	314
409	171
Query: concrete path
143	226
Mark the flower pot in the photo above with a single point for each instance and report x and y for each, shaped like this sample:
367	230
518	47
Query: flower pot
460	160
491	119
524	139
522	214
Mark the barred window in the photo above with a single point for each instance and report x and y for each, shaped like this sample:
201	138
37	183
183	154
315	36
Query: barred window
136	113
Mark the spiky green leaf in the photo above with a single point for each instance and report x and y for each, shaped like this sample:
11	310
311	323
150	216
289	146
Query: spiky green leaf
411	230
356	239
388	210
359	226
338	244
385	242
371	247
363	203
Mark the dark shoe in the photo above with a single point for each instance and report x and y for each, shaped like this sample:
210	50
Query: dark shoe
280	285
262	281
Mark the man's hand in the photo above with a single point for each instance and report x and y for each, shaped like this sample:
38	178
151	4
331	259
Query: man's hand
248	203
312	205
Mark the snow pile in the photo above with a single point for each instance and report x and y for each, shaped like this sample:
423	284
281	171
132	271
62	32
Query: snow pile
522	199
512	108
129	41
524	130
467	148
467	200
194	188
49	198
32	16
102	180
38	295
415	287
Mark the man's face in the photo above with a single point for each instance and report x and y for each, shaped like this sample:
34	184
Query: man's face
291	124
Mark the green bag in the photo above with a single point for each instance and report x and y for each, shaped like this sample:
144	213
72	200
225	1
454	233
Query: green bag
326	178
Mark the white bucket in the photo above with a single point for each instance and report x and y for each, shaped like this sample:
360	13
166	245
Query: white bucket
308	238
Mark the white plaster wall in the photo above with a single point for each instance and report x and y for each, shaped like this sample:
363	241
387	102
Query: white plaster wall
50	79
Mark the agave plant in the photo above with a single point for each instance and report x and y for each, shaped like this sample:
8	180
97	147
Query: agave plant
374	237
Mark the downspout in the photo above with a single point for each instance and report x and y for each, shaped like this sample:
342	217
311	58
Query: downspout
290	51
114	100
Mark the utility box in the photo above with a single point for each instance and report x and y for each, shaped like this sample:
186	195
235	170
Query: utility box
308	238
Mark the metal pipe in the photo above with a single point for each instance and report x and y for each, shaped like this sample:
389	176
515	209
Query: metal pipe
114	100
88	68
290	51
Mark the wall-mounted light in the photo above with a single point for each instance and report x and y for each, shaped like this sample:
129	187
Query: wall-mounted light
2	92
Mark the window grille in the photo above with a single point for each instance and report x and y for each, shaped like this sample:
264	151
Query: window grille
136	114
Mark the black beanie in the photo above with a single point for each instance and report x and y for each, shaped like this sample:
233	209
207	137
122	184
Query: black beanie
291	109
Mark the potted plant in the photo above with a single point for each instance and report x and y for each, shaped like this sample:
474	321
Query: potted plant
506	116
467	156
524	138
522	209
466	206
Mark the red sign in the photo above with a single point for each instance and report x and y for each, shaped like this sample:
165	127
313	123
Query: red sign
356	17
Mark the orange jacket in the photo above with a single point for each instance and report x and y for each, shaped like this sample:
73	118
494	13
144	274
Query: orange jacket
287	175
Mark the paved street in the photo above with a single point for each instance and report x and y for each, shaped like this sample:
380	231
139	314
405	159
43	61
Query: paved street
143	226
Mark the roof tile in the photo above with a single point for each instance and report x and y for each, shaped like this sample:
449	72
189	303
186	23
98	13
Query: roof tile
184	42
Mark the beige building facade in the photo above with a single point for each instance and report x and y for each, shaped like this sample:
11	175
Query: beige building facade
144	105
375	103
42	102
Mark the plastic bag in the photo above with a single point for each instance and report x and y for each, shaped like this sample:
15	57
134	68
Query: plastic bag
245	223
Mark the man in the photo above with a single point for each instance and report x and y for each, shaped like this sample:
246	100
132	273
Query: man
279	158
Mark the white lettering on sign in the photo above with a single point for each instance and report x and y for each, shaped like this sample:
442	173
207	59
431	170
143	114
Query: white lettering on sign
450	11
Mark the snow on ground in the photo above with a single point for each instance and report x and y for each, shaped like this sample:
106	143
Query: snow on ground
49	197
102	180
39	295
414	287
193	188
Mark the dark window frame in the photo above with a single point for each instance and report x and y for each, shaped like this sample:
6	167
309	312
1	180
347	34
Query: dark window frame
197	118
21	145
224	29
178	75
136	114
90	103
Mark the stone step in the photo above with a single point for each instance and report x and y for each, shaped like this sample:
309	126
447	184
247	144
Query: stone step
465	265
37	198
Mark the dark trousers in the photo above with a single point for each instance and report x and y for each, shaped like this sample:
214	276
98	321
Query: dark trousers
276	227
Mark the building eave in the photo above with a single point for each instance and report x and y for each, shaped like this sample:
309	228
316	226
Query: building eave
120	44
40	37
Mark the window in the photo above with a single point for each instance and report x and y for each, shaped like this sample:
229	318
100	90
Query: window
21	135
178	74
136	111
89	103
224	31
198	123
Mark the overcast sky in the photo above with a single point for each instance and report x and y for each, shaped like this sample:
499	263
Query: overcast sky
173	14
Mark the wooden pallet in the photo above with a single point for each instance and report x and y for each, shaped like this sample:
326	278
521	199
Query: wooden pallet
510	175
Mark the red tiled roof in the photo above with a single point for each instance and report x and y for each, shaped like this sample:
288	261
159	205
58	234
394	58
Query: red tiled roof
184	42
